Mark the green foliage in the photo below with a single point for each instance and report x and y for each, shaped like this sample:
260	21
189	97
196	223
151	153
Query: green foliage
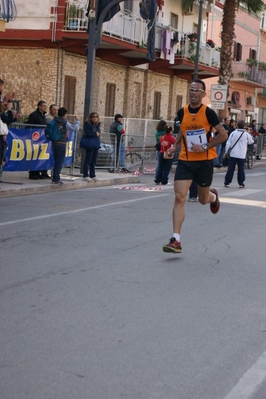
262	65
251	62
254	6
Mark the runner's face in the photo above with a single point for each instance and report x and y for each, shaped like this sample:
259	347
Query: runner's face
196	94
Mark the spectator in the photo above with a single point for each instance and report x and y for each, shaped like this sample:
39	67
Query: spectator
7	116
53	111
232	126
164	161
91	129
216	161
257	140
117	128
160	131
38	118
59	147
176	125
2	84
262	129
239	140
195	161
222	149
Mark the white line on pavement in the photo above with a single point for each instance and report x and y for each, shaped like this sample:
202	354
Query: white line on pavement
238	201
79	210
249	383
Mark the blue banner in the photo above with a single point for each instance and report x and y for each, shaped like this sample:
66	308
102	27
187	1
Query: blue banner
28	149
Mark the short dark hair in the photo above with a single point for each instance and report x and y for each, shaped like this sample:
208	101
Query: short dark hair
241	124
40	103
62	112
51	106
201	82
231	121
2	82
160	125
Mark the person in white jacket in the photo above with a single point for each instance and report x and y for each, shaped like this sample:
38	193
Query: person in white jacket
239	140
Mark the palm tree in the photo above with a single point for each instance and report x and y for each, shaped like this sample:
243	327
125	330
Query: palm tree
228	31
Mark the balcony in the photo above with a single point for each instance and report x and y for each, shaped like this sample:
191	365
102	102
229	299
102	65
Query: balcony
250	75
129	33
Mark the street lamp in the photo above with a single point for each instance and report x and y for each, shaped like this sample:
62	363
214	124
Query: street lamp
196	70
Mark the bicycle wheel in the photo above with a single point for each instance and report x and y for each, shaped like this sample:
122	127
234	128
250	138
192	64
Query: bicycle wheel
249	159
133	161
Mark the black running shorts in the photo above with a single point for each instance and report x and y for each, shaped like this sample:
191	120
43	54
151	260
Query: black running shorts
200	171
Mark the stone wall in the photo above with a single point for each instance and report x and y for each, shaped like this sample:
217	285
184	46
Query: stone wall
36	74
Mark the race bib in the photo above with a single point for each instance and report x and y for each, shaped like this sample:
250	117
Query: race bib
196	137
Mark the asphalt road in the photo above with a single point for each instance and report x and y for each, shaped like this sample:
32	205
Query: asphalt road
91	308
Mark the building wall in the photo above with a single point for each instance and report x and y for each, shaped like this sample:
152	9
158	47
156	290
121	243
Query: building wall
39	74
30	73
32	15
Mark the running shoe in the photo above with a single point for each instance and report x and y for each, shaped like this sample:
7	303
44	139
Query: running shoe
174	246
215	206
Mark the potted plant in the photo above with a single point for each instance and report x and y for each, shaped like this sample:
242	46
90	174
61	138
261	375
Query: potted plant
192	36
252	62
262	66
72	16
210	43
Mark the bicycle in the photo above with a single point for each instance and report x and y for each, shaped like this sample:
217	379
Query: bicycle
250	156
133	160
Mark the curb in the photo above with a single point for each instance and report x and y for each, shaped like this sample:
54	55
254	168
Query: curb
67	186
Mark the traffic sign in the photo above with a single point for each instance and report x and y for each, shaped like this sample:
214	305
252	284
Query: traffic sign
217	105
219	93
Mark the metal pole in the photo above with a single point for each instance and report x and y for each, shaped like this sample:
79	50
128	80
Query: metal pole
91	51
196	70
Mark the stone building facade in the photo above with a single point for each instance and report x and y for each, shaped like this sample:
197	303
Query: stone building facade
39	74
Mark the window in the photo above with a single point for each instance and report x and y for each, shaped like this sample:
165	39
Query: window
174	21
70	94
178	102
237	51
157	105
252	54
110	99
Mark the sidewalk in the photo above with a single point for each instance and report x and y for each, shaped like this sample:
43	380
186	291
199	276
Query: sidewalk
18	183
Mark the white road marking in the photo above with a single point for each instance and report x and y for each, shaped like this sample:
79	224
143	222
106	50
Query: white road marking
249	383
256	174
242	192
79	210
238	201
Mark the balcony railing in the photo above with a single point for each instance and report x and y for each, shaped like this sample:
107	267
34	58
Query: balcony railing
75	18
252	73
133	29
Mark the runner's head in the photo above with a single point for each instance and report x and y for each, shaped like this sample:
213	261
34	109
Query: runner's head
197	91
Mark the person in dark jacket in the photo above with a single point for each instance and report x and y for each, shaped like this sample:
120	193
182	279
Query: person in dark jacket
257	140
38	118
117	128
7	117
231	126
59	146
91	129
